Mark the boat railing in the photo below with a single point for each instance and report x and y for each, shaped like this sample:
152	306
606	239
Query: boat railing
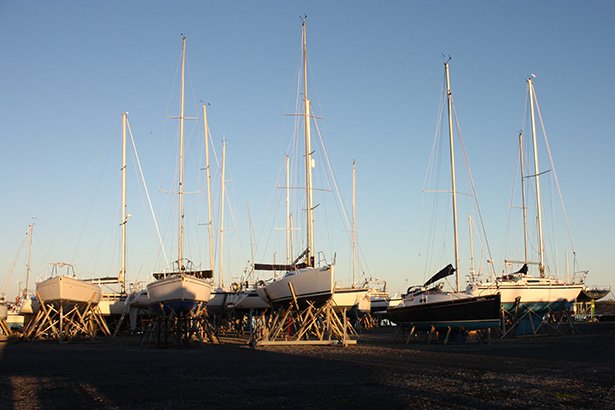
579	277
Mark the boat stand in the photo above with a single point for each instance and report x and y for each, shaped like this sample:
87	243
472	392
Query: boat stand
179	328
65	322
231	323
5	330
531	323
367	321
310	326
432	334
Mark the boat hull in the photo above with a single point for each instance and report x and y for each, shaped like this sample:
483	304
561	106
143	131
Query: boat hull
113	304
355	300
247	300
30	305
217	301
3	311
592	293
68	290
537	294
180	293
15	320
311	285
444	310
138	299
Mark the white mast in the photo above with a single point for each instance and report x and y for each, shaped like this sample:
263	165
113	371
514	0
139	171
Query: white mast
292	246
308	159
287	211
471	249
180	247
523	196
25	291
122	276
541	267
251	244
454	188
354	222
211	241
222	193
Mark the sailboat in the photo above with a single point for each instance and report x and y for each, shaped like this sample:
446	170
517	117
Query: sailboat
303	282
354	299
67	289
380	299
428	306
114	303
28	302
184	288
520	290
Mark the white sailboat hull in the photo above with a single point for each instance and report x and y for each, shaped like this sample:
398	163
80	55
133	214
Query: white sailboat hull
352	298
179	292
248	300
113	304
314	285
222	300
3	311
66	289
29	305
539	294
15	320
218	300
138	299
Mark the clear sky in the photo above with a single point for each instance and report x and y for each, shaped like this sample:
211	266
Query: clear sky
69	69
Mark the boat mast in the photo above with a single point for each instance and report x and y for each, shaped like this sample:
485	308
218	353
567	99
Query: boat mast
222	194
180	245
211	242
308	159
25	291
541	266
473	273
454	188
523	196
122	276
354	221
287	210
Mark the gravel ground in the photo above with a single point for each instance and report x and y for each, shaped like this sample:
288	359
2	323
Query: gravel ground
550	372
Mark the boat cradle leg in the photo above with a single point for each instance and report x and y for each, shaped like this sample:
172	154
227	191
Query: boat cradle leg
410	334
397	332
448	333
430	335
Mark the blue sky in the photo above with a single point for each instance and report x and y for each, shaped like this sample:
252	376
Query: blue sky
71	68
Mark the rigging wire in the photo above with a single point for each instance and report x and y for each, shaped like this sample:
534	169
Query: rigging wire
136	156
556	179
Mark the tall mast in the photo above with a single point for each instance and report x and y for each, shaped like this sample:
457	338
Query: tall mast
541	266
122	276
25	291
222	194
211	241
287	211
454	187
251	242
308	158
354	222
472	275
180	247
523	196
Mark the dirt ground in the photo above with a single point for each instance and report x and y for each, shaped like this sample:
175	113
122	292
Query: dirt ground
549	372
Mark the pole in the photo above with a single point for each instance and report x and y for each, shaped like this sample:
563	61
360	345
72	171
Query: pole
541	266
454	188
